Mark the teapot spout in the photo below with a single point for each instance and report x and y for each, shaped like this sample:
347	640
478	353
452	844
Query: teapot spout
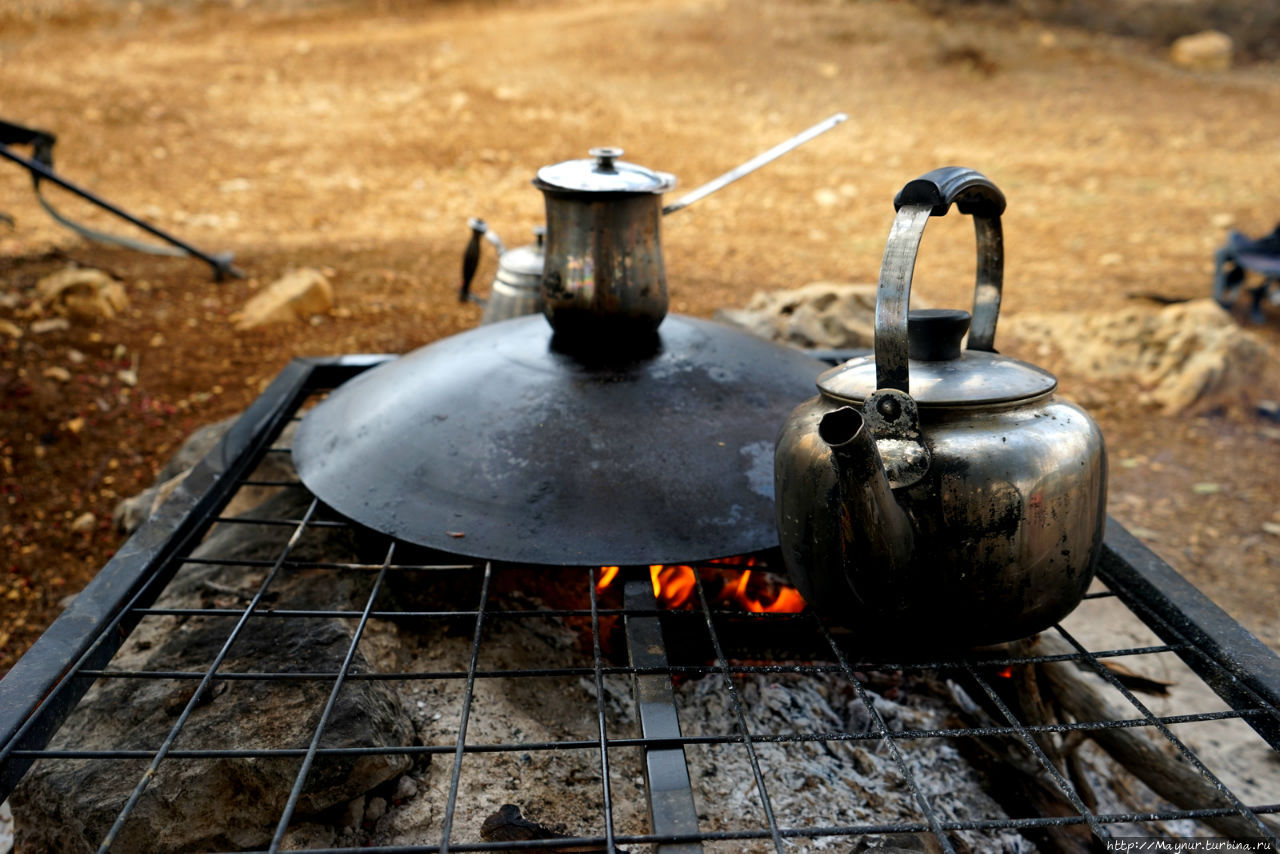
876	533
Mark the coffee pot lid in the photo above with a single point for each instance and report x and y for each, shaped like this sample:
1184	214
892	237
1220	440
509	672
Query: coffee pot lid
603	173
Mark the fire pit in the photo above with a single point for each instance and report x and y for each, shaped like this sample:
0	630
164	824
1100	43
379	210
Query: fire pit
433	703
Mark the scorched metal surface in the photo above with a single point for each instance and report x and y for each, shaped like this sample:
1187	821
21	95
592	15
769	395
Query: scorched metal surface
499	443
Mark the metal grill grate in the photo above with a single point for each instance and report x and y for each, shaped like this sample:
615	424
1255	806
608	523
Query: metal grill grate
621	636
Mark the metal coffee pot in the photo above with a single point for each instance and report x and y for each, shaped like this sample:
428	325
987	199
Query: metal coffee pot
931	494
517	287
600	273
604	275
601	269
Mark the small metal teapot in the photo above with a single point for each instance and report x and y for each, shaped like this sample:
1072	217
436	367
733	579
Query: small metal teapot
931	494
604	274
517	287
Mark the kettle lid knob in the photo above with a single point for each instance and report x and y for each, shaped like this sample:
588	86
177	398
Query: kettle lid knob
935	334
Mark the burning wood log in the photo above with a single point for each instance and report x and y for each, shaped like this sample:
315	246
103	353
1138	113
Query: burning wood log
1049	693
1080	697
1016	779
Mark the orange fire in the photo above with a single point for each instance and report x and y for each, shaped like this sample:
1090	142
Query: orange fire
674	585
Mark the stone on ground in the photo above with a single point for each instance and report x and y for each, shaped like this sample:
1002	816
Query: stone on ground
297	295
821	314
1206	51
1188	357
82	293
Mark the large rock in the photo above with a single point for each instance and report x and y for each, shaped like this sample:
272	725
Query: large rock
1186	357
1206	51
1190	356
822	314
225	803
295	296
131	512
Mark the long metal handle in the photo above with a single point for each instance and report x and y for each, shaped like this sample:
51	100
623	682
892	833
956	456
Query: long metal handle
754	163
972	193
221	263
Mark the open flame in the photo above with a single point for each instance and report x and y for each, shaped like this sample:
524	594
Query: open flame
674	585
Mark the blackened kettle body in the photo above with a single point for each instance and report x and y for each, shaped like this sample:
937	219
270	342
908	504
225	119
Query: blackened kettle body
933	495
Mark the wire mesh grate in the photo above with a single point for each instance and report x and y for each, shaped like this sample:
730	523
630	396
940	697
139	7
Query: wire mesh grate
339	690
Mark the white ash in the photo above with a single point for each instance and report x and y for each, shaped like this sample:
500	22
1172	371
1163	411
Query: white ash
828	783
817	783
560	789
69	805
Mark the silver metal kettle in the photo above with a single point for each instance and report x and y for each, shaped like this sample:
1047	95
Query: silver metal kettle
517	287
931	494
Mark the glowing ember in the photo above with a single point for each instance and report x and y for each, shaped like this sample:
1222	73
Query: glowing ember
674	585
788	600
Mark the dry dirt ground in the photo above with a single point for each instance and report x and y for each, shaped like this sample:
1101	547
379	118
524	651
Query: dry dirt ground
358	138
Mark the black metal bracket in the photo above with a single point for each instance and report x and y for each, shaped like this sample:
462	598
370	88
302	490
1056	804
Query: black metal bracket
40	165
671	807
1240	668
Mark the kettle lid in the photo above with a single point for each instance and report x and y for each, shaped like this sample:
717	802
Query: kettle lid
942	374
526	261
603	173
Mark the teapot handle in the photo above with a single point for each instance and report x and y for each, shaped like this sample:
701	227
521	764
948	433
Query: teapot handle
933	194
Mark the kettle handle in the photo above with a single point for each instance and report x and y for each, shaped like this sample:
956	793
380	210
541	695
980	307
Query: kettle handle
933	194
471	260
471	257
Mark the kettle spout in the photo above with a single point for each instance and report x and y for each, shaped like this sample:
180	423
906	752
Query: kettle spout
876	533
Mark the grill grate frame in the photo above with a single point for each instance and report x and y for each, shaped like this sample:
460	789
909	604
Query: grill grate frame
43	688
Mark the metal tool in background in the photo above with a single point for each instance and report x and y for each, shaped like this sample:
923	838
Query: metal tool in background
40	165
516	288
1242	255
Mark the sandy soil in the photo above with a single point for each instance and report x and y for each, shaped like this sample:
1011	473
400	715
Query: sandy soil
358	137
